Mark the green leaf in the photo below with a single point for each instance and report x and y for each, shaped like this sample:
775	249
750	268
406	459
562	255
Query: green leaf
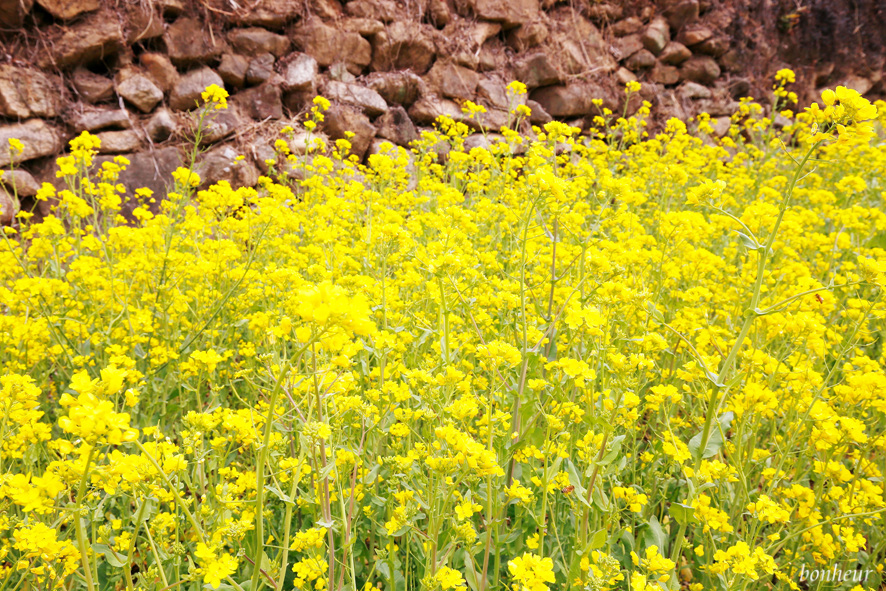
279	494
655	536
115	560
654	313
748	242
575	480
683	514
598	540
715	440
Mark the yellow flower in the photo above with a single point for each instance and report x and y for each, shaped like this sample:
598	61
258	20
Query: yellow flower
532	572
216	96
16	145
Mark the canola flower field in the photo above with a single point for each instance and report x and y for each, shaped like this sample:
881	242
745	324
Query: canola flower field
562	362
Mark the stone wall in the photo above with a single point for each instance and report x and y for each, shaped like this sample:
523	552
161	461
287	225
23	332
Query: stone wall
130	70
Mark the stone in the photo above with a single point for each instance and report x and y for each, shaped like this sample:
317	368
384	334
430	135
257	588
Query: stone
403	87
19	182
221	164
385	11
604	13
482	140
260	69
396	126
623	76
859	84
732	61
509	12
339	72
656	36
693	90
262	102
68	9
28	93
674	54
160	69
366	27
300	141
571	100
39	138
272	14
8	207
329	45
627	26
161	125
92	88
438	13
143	21
367	100
641	60
232	69
13	12
188	42
681	12
714	47
151	169
171	8
139	91
480	32
694	35
221	124
739	88
300	72
96	36
403	45
119	142
536	70
494	93
187	93
721	126
427	109
453	81
538	114
664	74
256	40
527	36
95	119
622	49
340	119
701	69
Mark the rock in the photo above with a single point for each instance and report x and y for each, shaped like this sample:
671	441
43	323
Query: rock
527	36
536	70
385	11
262	102
396	126
95	119
256	40
732	61
39	138
627	26
622	49
367	100
509	12
538	114
221	124
494	93
482	140
232	69
674	54
438	13
329	45
13	12
605	13
859	84
138	90
739	88
403	87
160	69
171	8
681	12
453	81
721	126
623	76
694	35
187	93
92	88
19	182
300	72
403	46
571	100
693	90
161	125
339	73
119	142
8	207
28	93
272	14
150	170
96	36
477	33
664	74
657	36
366	27
188	42
221	164
142	22
427	109
260	69
701	69
582	51
714	47
342	118
300	141
68	9
641	60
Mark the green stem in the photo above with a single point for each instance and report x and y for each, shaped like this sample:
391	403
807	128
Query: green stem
78	524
